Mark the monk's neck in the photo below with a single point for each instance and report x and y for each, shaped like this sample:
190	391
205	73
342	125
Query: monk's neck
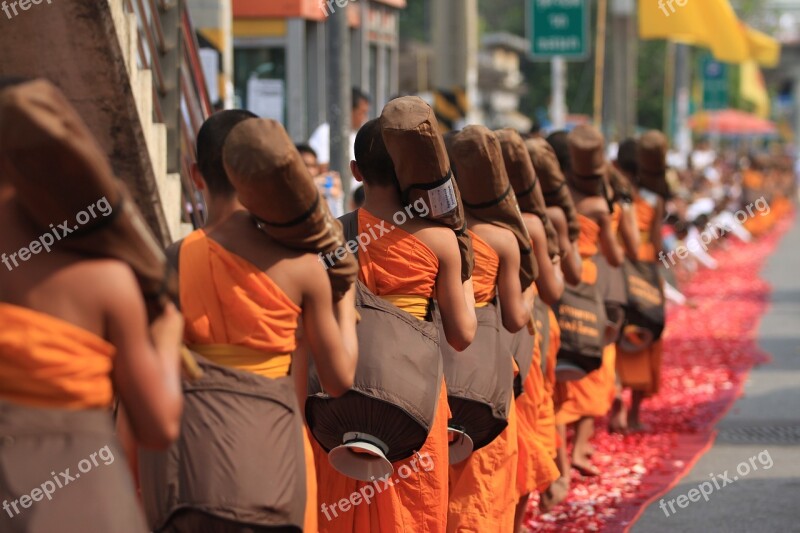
220	208
382	201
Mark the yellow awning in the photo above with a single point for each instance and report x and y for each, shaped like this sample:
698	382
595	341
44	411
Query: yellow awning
709	23
753	89
765	50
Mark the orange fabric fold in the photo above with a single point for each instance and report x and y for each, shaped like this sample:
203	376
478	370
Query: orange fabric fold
641	371
589	237
484	275
225	299
592	395
536	469
645	214
483	495
548	418
588	246
394	263
49	362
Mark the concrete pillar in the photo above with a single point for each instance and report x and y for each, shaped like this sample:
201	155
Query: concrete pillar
296	86
455	39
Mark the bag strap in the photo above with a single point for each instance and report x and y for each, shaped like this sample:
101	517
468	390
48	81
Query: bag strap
173	253
350	227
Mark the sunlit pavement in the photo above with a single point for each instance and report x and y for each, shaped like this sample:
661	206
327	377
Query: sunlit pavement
767	417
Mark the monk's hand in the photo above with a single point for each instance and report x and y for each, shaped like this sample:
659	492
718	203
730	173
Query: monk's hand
167	332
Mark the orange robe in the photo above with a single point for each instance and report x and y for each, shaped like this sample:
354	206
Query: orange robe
49	362
401	268
482	488
594	394
547	420
226	301
536	469
641	371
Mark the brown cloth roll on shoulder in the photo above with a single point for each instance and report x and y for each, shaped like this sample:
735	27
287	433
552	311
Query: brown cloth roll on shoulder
487	192
411	134
587	154
526	184
554	184
651	157
274	184
59	172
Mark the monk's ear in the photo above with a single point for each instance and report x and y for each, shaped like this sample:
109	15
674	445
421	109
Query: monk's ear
356	172
197	178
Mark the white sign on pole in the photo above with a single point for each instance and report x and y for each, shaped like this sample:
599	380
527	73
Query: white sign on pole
266	98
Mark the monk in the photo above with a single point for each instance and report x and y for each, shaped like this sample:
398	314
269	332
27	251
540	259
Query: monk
624	219
482	488
75	334
260	290
560	210
406	266
537	470
641	371
591	396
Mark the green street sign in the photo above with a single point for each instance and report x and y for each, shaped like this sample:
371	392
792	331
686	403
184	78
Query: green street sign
715	84
558	28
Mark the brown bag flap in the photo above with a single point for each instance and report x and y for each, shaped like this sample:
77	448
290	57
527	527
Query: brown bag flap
646	301
582	320
480	379
274	184
239	455
396	387
41	131
486	190
41	448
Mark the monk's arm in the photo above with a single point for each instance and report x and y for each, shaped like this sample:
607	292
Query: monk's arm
550	282
571	264
146	372
456	299
608	242
629	231
655	229
332	343
515	305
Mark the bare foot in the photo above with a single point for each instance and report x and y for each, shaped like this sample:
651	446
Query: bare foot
618	418
639	427
585	467
555	494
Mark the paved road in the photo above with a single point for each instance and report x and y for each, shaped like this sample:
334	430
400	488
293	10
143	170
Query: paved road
765	421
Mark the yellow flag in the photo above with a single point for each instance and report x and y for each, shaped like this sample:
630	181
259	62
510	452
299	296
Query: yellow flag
753	89
708	23
763	48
